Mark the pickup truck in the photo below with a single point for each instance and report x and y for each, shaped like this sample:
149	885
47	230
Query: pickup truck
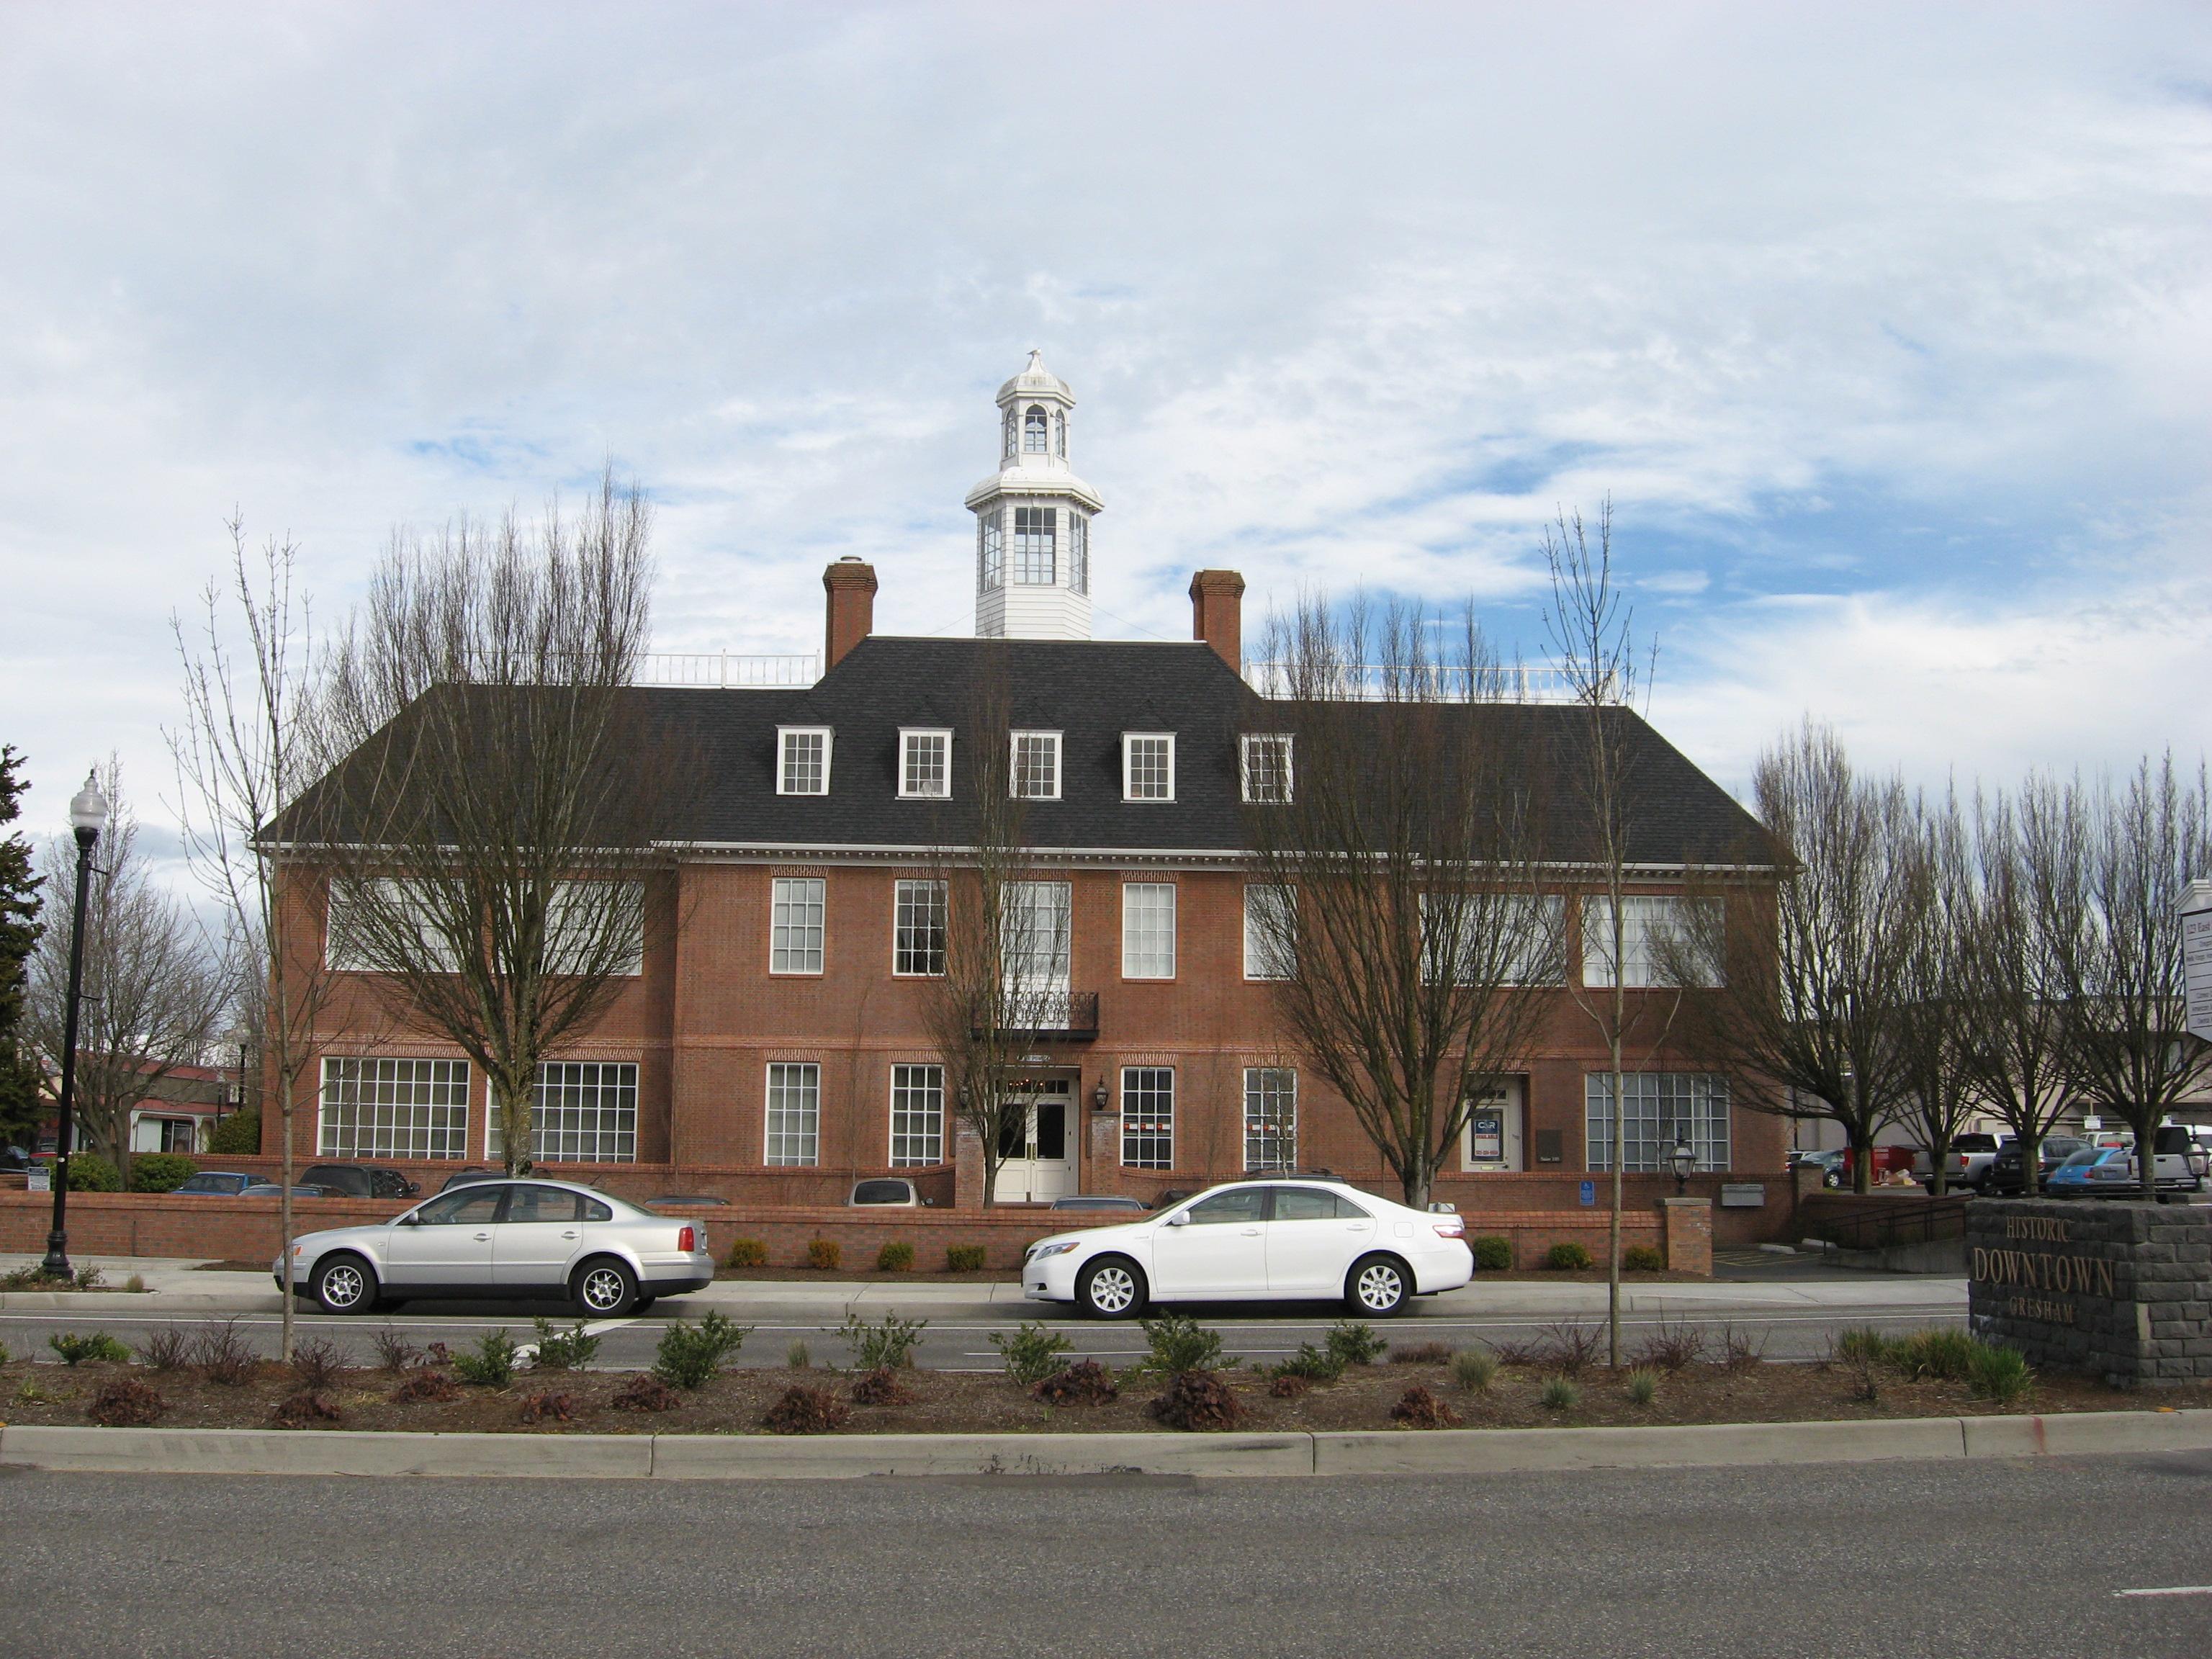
1971	1156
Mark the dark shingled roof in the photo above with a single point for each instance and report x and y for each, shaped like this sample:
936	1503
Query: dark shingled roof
1091	691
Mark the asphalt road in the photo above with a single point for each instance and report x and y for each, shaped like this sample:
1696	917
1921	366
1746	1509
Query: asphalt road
1957	1559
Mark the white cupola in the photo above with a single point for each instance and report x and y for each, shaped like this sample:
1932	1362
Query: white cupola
1033	518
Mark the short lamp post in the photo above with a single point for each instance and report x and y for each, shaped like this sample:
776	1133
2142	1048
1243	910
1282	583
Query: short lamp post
1683	1161
88	818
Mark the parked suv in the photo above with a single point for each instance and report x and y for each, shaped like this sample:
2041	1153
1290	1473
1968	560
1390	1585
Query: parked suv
359	1181
2002	1173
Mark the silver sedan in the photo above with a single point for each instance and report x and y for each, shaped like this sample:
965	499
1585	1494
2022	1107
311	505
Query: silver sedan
506	1238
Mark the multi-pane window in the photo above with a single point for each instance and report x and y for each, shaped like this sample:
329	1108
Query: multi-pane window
1036	769
1662	1109
1498	938
1035	945
805	766
596	928
583	1112
1033	545
363	912
1661	937
925	764
1033	431
918	927
1271	1118
1078	551
1009	426
1060	434
1147	766
394	1108
1148	1117
917	1114
796	925
1266	766
1148	930
794	1113
1271	944
990	552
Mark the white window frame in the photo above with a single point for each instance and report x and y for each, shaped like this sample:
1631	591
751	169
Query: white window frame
917	1121
1051	740
1078	551
1144	953
1028	544
1269	1087
790	948
1644	917
782	1145
1254	741
1258	945
1539	958
784	736
910	739
611	1136
1148	1135
1035	420
990	552
1129	742
395	1108
907	892
338	960
1662	1106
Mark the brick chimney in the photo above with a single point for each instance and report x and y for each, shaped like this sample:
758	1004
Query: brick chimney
851	585
1217	613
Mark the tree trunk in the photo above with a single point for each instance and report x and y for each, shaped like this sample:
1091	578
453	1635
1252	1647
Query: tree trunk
1619	1138
513	1106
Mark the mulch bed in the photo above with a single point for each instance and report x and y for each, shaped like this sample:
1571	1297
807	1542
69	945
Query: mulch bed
949	1402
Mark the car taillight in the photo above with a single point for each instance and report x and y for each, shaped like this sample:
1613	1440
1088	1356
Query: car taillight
687	1238
1451	1227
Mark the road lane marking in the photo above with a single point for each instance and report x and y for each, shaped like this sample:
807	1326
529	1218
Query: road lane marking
2172	1590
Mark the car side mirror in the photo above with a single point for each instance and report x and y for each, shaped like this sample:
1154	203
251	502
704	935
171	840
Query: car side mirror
1180	1219
411	1220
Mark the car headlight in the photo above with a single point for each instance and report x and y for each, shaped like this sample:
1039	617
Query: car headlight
1043	1250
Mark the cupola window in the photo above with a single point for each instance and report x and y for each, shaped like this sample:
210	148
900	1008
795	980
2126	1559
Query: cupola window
1033	545
990	566
1033	431
1079	552
1060	434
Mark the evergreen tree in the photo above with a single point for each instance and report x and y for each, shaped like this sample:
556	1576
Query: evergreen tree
20	928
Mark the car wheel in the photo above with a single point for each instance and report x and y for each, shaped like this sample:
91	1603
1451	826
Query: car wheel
1113	1288
1378	1286
344	1285
1832	1181
605	1289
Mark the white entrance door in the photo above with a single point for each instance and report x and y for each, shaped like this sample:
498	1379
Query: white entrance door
1040	1156
1492	1141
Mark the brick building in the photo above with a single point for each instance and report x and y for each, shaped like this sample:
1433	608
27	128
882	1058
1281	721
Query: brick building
773	1043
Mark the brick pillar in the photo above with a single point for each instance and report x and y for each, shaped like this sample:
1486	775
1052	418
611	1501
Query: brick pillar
851	585
967	1169
1689	1227
1217	614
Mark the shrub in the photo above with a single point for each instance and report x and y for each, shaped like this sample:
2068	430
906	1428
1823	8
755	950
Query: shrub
161	1172
1999	1373
690	1355
29	1277
881	1388
1642	1386
1567	1259
394	1353
1312	1364
964	1258
798	1357
168	1349
1643	1259
1566	1348
136	1285
238	1135
825	1255
1493	1254
1740	1349
1355	1343
87	1278
1086	1383
1287	1388
646	1393
548	1408
1421	1353
1860	1343
887	1345
1179	1343
896	1257
1474	1370
425	1385
76	1348
1949	1355
1560	1395
225	1358
89	1172
492	1365
1670	1348
806	1411
309	1405
564	1351
317	1363
1419	1409
1197	1399
124	1402
1031	1352
748	1253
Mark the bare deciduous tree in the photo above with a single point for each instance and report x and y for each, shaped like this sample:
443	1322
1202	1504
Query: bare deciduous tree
1398	879
1934	1034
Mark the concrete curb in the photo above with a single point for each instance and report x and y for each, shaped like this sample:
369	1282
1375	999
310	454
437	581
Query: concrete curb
843	1457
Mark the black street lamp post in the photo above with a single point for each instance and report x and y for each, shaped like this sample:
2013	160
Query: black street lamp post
88	817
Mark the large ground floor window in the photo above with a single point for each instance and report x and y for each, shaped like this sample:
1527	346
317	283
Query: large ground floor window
394	1108
1662	1107
1148	1117
586	1112
1271	1118
793	1134
917	1115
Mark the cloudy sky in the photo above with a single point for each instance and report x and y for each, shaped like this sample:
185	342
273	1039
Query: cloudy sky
1889	333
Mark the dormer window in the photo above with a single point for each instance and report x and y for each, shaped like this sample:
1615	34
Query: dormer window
1035	773
1147	766
925	763
1078	551
1268	767
1033	431
990	557
1033	545
803	767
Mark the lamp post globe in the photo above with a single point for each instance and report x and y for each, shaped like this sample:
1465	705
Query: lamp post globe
1683	1161
88	811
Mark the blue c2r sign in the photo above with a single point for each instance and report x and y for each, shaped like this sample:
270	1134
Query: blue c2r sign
1589	1192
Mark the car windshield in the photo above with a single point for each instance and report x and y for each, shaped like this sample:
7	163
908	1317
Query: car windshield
881	1192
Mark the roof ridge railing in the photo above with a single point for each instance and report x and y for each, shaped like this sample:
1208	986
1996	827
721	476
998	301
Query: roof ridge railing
1369	682
728	670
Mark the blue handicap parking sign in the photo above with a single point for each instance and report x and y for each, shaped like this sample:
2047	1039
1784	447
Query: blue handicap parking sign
1589	1192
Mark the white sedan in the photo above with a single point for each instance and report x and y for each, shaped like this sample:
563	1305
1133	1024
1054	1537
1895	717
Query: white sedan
1251	1241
